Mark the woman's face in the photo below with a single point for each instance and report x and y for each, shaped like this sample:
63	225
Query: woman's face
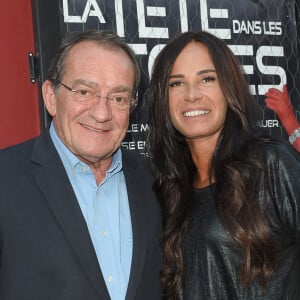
196	102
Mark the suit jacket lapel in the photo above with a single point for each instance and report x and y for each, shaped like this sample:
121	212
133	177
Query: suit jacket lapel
131	172
52	179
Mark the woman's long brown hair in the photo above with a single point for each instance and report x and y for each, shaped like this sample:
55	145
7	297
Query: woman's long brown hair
175	171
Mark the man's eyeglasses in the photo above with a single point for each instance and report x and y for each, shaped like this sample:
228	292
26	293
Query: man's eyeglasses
119	100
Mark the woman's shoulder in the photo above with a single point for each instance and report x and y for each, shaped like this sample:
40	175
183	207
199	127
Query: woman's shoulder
271	145
277	146
276	150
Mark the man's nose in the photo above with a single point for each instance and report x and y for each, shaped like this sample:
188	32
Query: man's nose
101	110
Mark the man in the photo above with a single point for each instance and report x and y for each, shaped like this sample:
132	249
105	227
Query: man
78	219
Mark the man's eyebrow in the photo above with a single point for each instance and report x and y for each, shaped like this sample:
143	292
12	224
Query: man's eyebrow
120	88
198	73
92	84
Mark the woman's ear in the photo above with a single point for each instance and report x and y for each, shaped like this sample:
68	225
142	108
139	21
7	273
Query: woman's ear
49	97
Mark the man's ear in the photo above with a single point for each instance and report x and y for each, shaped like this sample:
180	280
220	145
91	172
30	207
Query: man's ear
49	97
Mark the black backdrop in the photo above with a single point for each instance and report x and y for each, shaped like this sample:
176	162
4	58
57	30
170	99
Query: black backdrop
263	34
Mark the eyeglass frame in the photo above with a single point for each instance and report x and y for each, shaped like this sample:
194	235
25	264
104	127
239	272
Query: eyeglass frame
132	100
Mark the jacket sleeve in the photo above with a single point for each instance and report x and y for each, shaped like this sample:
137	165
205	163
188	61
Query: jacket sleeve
284	188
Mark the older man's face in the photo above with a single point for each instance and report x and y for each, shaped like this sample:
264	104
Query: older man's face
93	131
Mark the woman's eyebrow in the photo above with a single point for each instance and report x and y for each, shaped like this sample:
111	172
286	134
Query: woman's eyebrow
205	71
198	73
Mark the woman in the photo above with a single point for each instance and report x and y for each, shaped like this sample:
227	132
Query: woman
230	198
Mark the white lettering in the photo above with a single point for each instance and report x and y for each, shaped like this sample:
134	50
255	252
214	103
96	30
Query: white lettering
276	51
256	27
183	16
131	145
244	50
91	9
222	33
268	123
141	145
119	18
96	12
67	17
247	27
138	127
272	28
149	32
144	127
152	55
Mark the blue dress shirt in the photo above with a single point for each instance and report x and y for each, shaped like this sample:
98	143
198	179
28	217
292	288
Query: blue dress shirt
106	211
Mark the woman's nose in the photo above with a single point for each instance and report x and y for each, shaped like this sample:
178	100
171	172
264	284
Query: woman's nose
192	93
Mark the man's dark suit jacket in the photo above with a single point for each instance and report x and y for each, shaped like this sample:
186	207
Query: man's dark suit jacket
46	250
